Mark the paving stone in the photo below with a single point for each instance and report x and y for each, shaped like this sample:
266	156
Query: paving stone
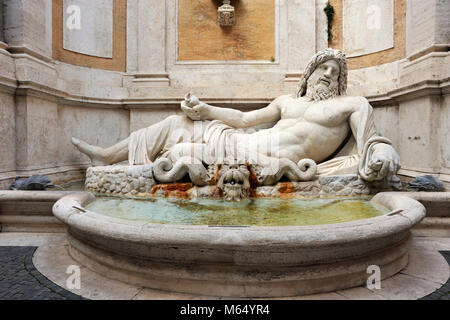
427	265
434	244
21	280
54	261
405	287
19	239
360	293
443	293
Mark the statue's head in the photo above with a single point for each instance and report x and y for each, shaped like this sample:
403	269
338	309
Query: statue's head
325	76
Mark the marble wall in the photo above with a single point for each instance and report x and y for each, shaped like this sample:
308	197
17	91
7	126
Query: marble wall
36	123
28	25
103	127
7	133
1	21
444	126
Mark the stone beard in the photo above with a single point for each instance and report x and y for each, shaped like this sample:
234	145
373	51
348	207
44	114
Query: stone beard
320	88
319	93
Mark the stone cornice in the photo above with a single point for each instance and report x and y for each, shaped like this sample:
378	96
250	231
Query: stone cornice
156	100
3	45
393	97
7	85
433	48
413	91
29	51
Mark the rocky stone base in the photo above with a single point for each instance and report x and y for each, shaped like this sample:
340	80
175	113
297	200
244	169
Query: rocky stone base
120	180
138	181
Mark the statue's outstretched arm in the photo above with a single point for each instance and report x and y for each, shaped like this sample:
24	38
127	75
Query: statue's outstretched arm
197	110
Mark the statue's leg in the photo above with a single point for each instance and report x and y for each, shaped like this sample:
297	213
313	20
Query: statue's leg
104	156
145	144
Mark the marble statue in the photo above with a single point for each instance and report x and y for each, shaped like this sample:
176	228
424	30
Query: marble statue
319	124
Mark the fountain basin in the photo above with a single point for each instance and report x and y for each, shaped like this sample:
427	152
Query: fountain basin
263	261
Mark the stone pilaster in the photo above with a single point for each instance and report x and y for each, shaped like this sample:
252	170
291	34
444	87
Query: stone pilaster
147	42
1	21
28	27
36	133
427	27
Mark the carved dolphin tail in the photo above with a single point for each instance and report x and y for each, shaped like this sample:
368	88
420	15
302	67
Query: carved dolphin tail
305	170
164	171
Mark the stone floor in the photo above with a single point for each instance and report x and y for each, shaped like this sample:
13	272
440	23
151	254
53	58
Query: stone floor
35	265
20	280
443	293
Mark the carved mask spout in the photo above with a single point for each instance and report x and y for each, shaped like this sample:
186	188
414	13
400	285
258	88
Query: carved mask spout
226	14
234	182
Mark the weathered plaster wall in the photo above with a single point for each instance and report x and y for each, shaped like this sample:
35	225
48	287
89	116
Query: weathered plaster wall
200	37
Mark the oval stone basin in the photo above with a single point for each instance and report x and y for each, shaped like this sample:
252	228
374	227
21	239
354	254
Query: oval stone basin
248	212
243	260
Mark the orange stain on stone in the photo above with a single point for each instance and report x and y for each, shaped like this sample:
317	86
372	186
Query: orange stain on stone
286	187
253	181
179	190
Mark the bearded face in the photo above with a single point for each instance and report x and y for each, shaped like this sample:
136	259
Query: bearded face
234	182
323	82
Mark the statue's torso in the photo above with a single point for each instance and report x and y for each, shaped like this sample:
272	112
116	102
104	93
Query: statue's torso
309	129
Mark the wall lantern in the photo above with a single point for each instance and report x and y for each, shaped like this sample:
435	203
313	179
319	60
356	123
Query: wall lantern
226	14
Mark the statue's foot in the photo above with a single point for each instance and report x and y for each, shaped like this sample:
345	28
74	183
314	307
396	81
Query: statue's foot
93	152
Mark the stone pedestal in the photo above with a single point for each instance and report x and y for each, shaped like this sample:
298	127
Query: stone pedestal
139	181
120	180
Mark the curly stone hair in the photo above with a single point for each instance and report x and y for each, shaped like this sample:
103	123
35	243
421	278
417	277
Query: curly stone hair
319	58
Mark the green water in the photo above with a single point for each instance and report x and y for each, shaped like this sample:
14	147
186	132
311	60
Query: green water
248	212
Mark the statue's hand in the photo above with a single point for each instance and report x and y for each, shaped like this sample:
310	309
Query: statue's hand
193	108
384	161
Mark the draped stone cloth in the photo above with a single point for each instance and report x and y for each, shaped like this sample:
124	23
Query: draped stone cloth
148	144
355	156
221	143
